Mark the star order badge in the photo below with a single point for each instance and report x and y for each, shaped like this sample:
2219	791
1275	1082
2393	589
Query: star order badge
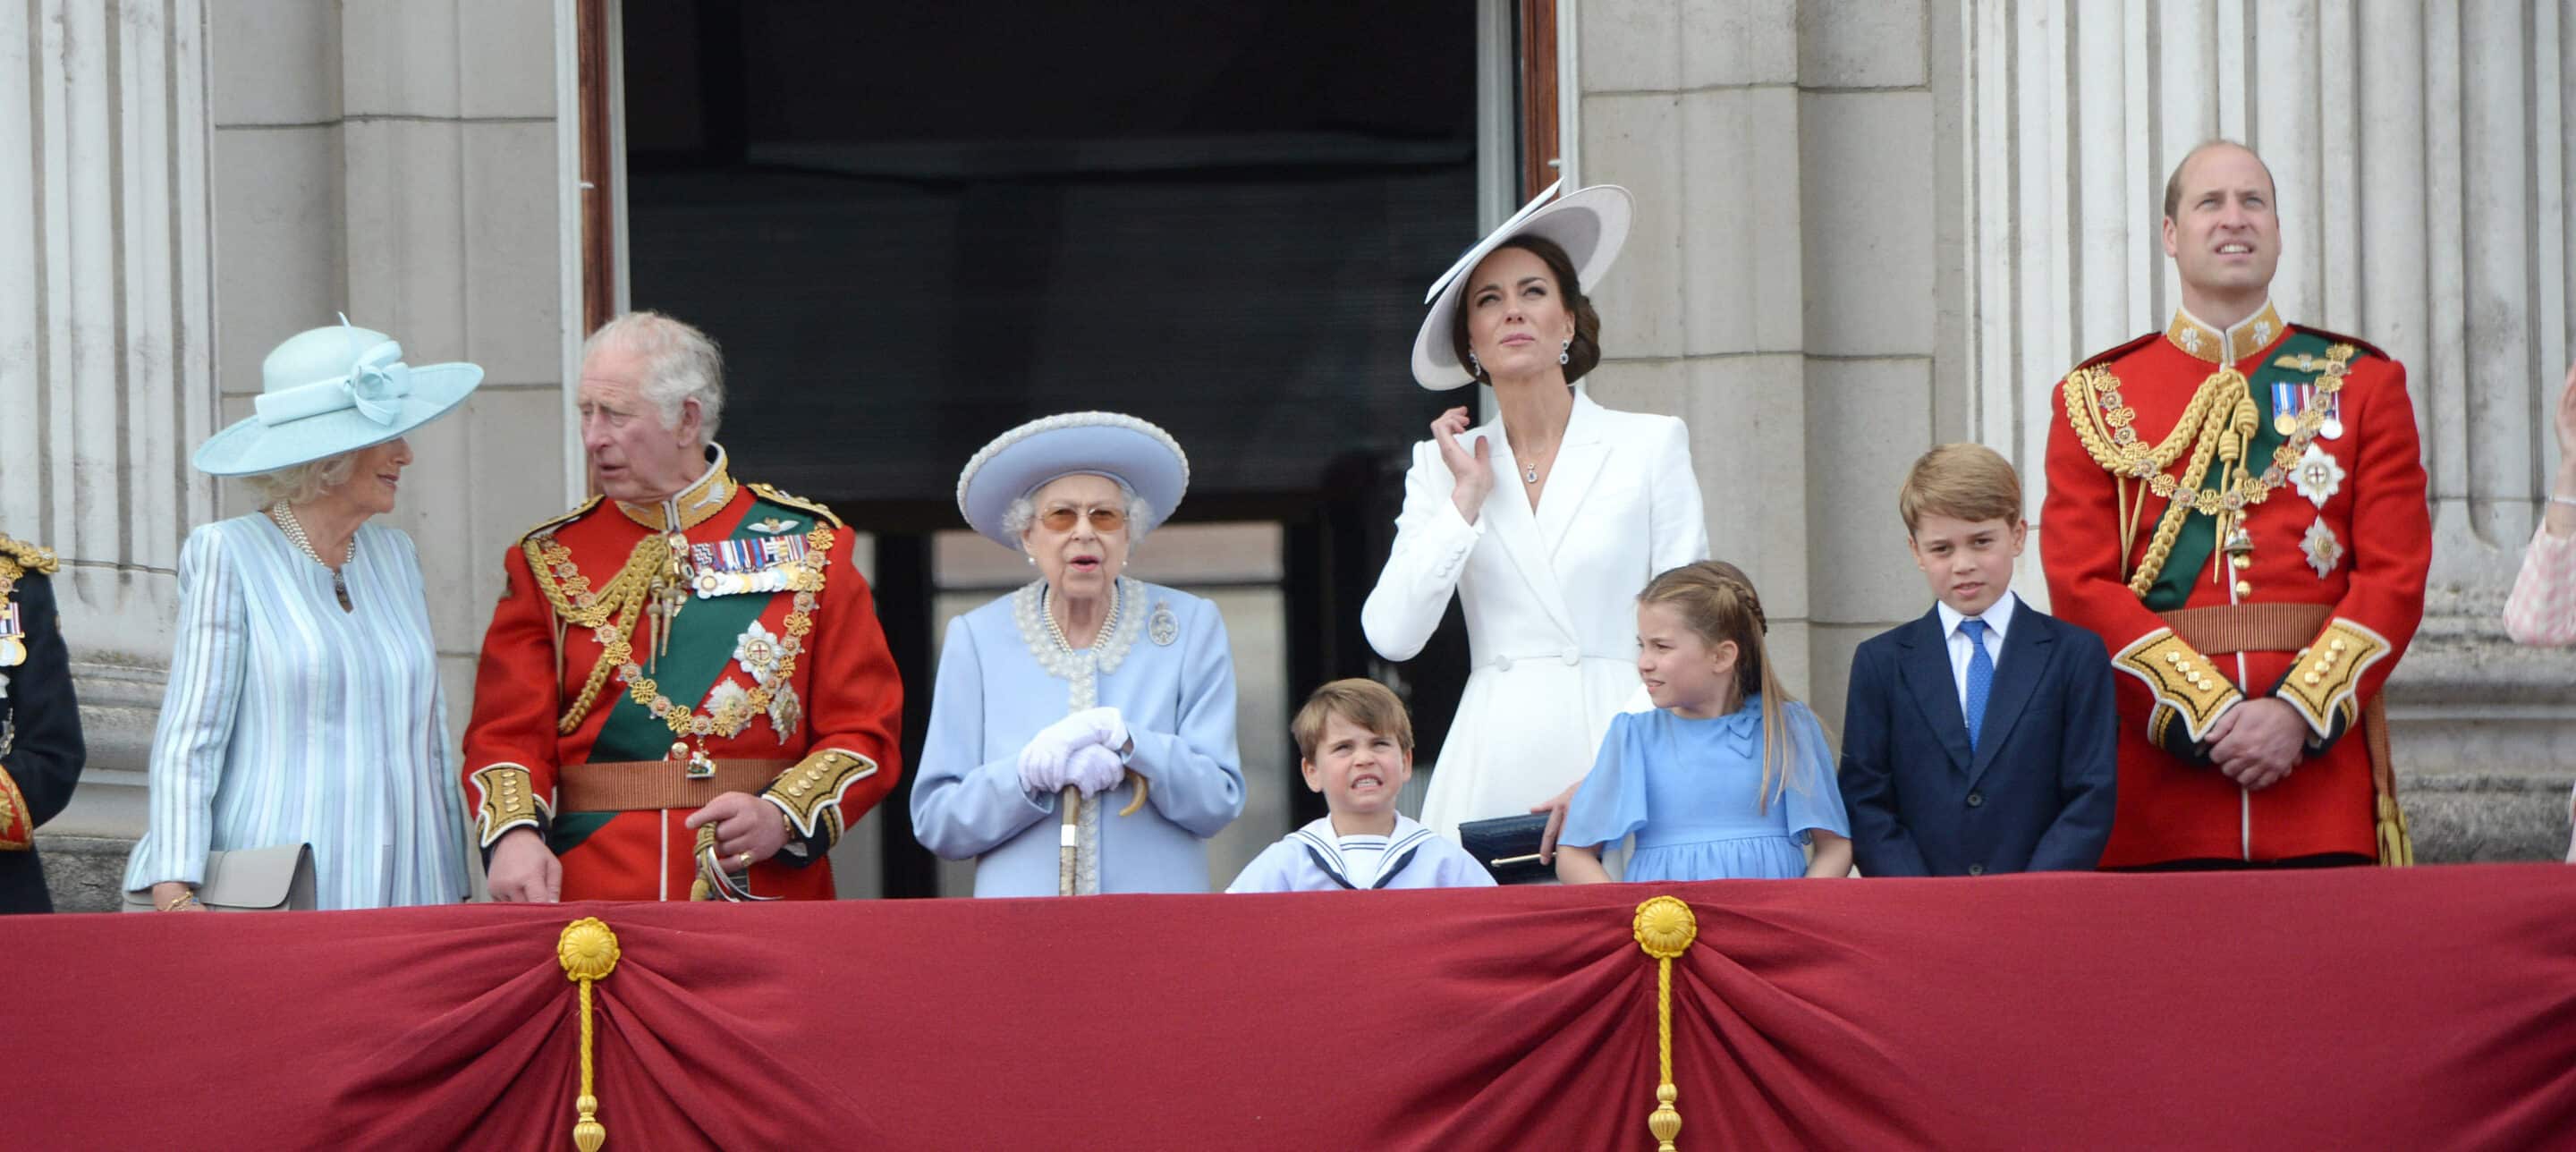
2323	550
759	652
2318	475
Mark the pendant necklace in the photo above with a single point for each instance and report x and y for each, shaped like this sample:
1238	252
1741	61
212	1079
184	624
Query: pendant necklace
284	516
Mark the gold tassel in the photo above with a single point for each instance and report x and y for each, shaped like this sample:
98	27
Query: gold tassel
2396	844
1664	928
588	952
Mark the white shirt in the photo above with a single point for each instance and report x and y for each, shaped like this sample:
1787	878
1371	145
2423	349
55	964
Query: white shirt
1998	617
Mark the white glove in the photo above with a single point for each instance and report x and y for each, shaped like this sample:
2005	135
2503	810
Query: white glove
1043	763
1094	769
1102	726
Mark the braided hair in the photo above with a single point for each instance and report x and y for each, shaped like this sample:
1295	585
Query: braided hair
1716	599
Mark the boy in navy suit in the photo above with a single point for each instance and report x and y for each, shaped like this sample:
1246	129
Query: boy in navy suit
1980	737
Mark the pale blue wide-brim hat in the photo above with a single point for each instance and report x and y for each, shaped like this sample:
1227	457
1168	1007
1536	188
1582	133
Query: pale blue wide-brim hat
329	391
1589	223
1019	462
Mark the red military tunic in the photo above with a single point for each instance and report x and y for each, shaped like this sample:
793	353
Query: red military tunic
2333	514
783	661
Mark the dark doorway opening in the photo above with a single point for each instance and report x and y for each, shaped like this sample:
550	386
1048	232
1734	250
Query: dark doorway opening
914	226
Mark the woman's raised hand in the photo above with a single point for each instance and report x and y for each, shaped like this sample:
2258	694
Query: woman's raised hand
1473	470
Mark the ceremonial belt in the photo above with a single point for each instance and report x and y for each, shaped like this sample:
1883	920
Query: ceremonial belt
2289	628
633	785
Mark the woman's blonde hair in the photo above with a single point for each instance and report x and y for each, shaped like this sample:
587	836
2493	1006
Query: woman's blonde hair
1717	601
305	482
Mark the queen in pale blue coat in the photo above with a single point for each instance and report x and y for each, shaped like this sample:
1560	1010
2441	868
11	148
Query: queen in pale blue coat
1082	728
304	704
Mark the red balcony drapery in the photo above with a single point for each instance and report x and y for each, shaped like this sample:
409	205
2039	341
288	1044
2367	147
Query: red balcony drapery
2430	1007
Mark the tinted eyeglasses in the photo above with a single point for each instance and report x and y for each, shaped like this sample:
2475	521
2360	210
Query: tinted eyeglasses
1102	519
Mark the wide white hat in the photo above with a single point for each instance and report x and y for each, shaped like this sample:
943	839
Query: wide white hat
1589	223
332	390
1029	457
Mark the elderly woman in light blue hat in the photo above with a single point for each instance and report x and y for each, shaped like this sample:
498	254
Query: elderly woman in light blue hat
304	704
1082	728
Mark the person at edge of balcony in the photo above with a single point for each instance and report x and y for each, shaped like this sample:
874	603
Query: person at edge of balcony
2542	609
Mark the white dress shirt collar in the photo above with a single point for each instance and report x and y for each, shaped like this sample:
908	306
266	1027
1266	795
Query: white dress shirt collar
1998	617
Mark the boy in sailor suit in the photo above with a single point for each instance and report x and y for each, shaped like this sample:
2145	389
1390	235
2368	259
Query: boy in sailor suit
1355	745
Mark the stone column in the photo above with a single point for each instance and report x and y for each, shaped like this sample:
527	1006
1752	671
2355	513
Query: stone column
106	334
1778	290
2422	157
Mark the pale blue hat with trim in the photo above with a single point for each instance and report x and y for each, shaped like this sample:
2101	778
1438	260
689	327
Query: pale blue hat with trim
1019	462
333	390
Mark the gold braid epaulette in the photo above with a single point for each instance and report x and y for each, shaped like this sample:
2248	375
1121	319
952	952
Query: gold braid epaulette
17	558
2220	409
778	496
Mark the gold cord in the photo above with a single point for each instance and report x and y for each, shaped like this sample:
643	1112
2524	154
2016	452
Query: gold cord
569	592
2219	421
1664	928
588	952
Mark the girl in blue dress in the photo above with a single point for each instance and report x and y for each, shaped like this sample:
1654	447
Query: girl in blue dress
1729	777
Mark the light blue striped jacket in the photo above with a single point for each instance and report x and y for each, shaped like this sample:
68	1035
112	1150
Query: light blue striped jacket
288	720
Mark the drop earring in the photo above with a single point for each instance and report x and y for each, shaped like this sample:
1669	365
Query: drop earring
1475	367
1565	354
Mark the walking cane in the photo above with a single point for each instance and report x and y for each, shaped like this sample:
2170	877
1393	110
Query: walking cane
1070	841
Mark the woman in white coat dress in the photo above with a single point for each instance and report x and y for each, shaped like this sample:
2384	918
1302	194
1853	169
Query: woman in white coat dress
1546	522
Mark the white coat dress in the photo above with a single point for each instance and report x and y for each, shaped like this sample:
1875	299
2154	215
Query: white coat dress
1549	596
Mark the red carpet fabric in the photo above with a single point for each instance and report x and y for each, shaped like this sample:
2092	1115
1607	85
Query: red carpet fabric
2432	1007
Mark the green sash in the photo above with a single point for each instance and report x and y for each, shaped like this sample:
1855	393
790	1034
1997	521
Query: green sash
2188	563
702	644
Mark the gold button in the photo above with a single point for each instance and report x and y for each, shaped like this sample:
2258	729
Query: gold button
2322	666
2244	588
2337	644
2311	679
2243	561
2184	668
2173	657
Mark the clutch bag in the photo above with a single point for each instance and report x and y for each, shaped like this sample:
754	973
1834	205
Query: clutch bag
276	879
1508	847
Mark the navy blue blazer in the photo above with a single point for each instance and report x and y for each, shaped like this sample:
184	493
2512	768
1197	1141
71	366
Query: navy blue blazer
2035	795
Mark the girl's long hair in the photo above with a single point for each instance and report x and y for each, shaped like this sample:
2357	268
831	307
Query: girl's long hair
1716	599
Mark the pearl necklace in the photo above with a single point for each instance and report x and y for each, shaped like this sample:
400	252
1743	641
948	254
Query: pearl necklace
284	516
1108	625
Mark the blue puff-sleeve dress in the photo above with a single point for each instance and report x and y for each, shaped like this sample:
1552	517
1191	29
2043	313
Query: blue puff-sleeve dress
1690	790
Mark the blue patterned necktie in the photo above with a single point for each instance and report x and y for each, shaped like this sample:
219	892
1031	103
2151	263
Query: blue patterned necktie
1981	677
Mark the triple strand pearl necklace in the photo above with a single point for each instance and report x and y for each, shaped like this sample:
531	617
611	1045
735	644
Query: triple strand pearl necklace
284	515
1108	624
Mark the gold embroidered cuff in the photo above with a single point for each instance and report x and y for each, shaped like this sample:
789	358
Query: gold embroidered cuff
2184	682
2323	682
810	792
17	824
506	798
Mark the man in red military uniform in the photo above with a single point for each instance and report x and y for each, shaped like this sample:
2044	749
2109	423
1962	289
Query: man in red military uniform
684	691
2237	506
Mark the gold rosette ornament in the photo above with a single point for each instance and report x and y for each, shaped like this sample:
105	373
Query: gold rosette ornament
1664	928
588	952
